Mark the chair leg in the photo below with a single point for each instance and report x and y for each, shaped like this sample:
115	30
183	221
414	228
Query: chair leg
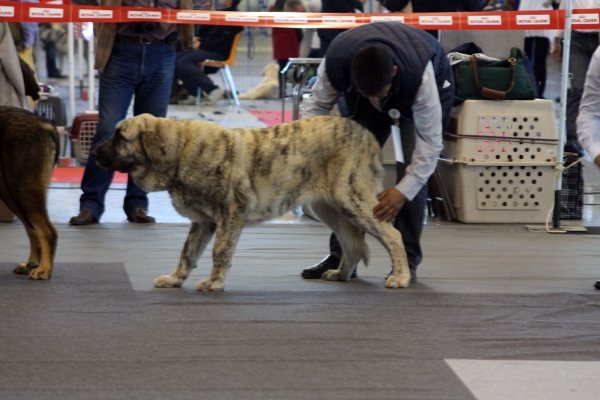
231	84
226	83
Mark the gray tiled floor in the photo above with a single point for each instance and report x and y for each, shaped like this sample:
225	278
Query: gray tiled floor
466	259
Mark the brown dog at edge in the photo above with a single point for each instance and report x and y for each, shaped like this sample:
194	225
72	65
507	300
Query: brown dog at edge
29	149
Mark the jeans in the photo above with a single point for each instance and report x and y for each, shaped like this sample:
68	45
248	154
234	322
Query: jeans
411	218
51	62
583	46
141	70
191	75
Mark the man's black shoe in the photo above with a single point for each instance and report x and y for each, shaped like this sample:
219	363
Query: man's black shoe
413	275
317	270
597	285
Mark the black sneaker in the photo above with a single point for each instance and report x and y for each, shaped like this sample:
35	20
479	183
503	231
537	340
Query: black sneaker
316	271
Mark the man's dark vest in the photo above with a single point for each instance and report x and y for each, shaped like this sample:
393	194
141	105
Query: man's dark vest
411	49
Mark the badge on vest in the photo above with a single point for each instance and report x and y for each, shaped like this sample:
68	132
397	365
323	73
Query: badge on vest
395	115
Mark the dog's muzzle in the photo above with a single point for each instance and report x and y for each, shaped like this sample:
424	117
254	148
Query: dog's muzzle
105	158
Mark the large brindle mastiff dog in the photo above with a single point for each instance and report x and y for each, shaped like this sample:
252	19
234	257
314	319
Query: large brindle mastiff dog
29	149
222	179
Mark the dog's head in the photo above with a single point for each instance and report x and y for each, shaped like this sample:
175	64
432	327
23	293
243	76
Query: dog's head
271	71
144	146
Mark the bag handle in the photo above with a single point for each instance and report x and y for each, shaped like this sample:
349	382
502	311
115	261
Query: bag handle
493	93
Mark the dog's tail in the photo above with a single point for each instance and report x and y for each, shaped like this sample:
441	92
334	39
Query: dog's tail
358	245
364	252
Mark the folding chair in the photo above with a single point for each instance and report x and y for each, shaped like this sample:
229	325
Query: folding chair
223	66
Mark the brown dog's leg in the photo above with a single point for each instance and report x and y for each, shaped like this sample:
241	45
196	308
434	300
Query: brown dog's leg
35	249
43	239
48	239
35	253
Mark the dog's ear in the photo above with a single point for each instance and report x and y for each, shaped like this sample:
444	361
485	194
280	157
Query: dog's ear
154	145
131	128
122	128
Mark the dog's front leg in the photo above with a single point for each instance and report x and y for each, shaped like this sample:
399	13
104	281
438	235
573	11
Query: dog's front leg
198	237
228	232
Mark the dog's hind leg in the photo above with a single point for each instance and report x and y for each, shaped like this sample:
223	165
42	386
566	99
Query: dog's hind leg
391	239
43	237
350	237
197	240
34	245
229	229
34	254
361	214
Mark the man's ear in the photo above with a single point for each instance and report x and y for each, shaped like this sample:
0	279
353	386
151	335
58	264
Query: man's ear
394	71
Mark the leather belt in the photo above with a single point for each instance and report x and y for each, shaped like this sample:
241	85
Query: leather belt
586	34
136	39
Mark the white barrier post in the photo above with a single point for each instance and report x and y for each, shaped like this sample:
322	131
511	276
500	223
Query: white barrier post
563	112
71	55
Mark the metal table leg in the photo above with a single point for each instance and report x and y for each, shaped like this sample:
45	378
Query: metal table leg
304	66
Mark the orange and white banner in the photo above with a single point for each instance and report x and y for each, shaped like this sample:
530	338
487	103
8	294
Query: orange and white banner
501	20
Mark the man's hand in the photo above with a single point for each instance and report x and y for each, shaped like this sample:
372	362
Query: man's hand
556	51
390	202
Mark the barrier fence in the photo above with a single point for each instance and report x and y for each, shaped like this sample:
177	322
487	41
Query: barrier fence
497	20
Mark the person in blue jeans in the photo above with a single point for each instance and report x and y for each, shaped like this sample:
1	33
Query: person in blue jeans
382	74
134	60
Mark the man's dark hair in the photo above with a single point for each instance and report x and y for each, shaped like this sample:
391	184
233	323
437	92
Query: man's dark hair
372	69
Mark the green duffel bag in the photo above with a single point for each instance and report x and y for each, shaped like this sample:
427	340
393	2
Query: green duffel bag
510	79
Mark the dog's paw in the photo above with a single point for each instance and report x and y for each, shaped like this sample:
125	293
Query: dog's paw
208	285
334	275
25	269
395	281
167	281
40	274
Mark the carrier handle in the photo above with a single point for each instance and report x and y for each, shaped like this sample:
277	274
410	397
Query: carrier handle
494	94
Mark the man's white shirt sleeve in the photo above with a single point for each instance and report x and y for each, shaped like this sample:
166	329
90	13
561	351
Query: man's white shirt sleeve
427	114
